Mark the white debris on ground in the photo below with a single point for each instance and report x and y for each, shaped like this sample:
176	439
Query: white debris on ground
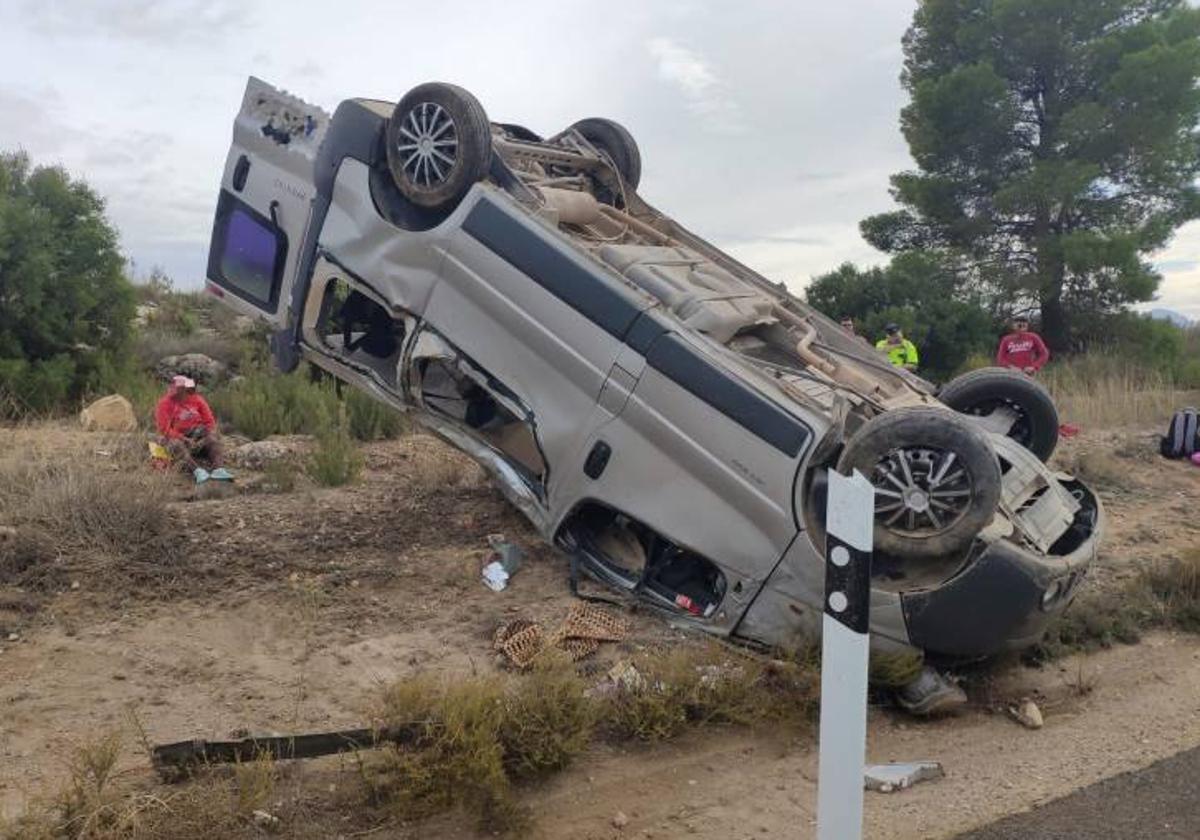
502	564
266	821
886	778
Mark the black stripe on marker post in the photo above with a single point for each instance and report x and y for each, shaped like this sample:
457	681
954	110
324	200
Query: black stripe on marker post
847	584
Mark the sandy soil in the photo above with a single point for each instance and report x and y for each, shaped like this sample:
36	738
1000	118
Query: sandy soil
290	609
742	787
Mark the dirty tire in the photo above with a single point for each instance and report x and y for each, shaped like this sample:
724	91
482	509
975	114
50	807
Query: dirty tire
981	391
614	140
439	143
921	432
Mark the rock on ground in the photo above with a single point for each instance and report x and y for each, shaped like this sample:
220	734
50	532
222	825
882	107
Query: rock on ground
113	413
1027	714
257	454
198	366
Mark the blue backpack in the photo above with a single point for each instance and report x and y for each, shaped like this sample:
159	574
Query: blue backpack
1181	440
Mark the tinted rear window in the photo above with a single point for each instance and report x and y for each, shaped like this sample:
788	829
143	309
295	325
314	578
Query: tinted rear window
248	253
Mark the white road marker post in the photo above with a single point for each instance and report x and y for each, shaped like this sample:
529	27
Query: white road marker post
849	523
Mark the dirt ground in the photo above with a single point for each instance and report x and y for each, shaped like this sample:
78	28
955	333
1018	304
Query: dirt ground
292	608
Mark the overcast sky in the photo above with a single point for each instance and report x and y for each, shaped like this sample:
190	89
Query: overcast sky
767	127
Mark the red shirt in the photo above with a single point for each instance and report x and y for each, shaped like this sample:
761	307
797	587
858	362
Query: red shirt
175	417
1022	350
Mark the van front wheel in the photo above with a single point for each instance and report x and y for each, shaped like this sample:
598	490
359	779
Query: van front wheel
439	143
936	477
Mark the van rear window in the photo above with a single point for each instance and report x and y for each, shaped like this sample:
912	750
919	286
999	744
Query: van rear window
248	252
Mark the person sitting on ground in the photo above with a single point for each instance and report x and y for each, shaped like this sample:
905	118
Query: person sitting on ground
900	351
187	427
1022	348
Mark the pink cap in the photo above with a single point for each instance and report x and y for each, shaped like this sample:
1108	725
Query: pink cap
181	381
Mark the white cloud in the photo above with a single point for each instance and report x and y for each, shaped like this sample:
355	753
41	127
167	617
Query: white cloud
154	22
703	91
1180	267
794	256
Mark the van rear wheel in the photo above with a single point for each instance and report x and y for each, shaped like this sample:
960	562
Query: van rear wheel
1007	402
615	141
439	143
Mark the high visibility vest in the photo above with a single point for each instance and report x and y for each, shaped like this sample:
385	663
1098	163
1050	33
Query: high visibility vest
904	353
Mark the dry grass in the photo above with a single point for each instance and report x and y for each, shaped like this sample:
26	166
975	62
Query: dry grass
472	743
708	686
108	521
1107	392
1176	585
436	468
90	805
1084	681
1099	468
477	738
1097	619
1166	595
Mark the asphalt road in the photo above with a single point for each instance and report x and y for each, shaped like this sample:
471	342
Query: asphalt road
1161	802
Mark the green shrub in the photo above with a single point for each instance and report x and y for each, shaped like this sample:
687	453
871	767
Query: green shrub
456	755
262	404
548	721
336	460
36	387
371	419
67	304
279	476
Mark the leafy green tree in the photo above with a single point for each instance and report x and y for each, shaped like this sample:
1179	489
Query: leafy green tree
1056	147
65	304
918	292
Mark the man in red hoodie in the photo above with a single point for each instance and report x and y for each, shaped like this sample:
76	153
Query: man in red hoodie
1022	349
187	426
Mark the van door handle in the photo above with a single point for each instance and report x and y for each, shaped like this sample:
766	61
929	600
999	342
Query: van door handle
274	210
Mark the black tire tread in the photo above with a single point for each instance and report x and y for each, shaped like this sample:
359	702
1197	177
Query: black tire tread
474	144
614	140
995	382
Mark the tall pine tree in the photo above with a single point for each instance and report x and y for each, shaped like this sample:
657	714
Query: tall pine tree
1056	147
